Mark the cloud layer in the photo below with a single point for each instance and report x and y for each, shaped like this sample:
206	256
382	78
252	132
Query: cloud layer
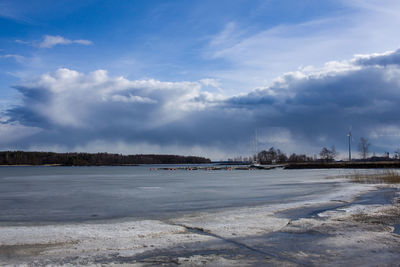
299	112
50	41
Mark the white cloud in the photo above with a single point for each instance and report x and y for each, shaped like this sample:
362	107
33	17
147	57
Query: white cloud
17	58
210	82
67	98
50	41
132	99
23	42
255	58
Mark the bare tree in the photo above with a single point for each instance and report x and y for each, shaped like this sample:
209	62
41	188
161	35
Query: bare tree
363	148
328	154
267	157
397	154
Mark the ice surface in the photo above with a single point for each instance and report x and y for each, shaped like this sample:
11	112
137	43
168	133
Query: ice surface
107	241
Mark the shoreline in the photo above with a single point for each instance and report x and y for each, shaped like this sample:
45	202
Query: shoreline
216	166
227	237
344	165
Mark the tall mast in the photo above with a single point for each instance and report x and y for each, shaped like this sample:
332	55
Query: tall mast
256	141
255	146
349	135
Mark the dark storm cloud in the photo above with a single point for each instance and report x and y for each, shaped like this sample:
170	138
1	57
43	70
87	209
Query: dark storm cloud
325	107
301	111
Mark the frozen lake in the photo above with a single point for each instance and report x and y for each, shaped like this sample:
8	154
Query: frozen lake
62	194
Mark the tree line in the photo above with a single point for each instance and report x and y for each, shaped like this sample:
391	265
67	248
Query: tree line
273	155
363	148
92	159
325	155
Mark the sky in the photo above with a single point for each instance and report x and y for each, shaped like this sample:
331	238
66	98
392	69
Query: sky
199	77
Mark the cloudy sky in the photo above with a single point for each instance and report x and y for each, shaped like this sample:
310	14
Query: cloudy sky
199	77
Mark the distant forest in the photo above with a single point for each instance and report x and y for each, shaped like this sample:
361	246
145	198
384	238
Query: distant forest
89	159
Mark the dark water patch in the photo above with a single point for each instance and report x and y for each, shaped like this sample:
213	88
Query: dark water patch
382	196
396	229
308	212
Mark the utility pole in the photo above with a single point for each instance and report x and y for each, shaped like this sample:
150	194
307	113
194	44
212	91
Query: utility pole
349	135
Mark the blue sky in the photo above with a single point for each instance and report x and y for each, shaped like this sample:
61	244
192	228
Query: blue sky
197	77
168	40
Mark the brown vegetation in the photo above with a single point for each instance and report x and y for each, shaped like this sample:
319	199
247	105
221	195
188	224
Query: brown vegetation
344	165
384	176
